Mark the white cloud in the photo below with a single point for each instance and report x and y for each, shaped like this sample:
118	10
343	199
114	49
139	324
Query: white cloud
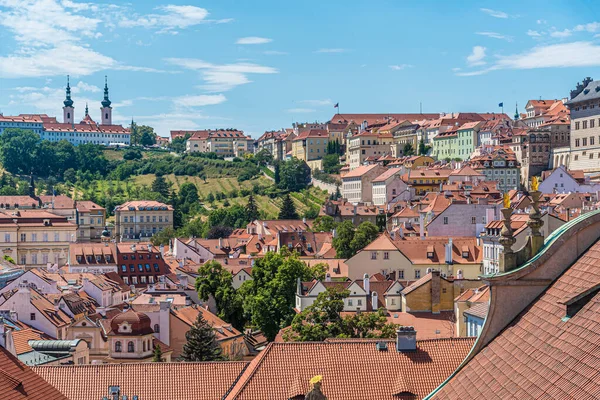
477	56
199	100
85	87
591	27
561	34
495	35
336	50
565	55
253	40
170	17
317	103
400	67
541	21
456	69
494	13
219	78
275	53
534	33
301	110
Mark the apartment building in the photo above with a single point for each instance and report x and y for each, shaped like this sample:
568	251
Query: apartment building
389	186
310	144
277	143
357	185
141	219
502	166
29	122
223	142
34	238
585	127
368	144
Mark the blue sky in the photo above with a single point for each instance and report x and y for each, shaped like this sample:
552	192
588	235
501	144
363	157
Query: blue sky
260	65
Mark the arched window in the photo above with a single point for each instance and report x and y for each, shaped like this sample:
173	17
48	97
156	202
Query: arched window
106	115
144	346
156	328
130	347
68	115
117	347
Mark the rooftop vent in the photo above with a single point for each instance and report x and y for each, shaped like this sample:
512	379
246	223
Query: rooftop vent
381	346
406	339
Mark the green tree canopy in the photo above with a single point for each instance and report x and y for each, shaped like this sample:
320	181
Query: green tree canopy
348	240
324	223
147	135
323	320
252	213
158	355
288	209
215	281
269	297
161	186
295	175
201	343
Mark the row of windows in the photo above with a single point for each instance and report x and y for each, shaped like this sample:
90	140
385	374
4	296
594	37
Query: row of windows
141	218
584	141
34	258
584	124
142	279
386	255
99	221
140	256
146	345
140	268
33	237
145	229
473	220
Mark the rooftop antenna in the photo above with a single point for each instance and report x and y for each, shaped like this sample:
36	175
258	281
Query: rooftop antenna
420	107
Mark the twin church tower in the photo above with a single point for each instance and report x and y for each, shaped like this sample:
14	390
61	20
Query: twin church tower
69	110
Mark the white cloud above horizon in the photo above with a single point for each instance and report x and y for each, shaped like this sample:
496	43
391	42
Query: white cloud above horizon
563	55
494	13
253	40
495	35
222	77
400	67
317	103
199	100
476	58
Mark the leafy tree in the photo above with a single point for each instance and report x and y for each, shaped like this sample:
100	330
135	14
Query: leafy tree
201	344
215	281
323	320
70	175
277	173
19	150
269	297
295	175
423	148
324	223
312	212
251	209
408	150
342	241
163	237
132	154
364	234
188	197
210	197
158	356
263	157
218	232
147	135
91	158
161	186
331	163
288	209
178	144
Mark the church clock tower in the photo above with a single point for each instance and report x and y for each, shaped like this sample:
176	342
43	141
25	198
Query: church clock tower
68	109
106	108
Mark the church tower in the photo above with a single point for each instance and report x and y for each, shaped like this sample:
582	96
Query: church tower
68	109
106	109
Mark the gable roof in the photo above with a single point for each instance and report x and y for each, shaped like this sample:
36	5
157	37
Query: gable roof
149	381
541	353
17	381
351	369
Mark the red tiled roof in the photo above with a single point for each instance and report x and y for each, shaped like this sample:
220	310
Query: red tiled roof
17	381
351	369
149	381
542	354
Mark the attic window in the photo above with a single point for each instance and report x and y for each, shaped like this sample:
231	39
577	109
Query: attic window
430	252
576	303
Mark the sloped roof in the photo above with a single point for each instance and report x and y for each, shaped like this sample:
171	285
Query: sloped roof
149	381
351	369
17	381
542	354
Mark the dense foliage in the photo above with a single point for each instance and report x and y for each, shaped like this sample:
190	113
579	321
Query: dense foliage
349	240
201	343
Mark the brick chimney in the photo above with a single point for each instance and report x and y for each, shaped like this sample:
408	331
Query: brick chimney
406	339
435	292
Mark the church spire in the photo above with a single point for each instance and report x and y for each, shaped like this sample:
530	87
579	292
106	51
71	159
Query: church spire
516	111
68	102
86	109
106	101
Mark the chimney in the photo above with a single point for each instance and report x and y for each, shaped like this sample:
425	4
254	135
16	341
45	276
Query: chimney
366	283
435	292
133	248
299	287
149	248
421	226
162	250
406	339
448	252
220	243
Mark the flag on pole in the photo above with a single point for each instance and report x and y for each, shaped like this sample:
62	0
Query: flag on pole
501	105
337	105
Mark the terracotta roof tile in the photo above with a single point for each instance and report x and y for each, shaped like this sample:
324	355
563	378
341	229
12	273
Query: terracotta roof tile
351	369
17	381
541	354
149	381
